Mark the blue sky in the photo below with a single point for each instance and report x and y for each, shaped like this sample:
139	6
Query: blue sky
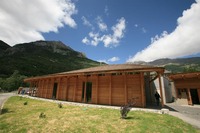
113	31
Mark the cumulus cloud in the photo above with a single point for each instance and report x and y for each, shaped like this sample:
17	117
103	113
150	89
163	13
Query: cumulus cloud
102	26
87	22
24	21
104	60
109	40
86	41
183	41
111	60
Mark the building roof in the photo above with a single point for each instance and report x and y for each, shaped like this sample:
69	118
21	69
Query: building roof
107	69
185	75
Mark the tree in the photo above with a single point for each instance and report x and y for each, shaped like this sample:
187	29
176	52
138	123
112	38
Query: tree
13	82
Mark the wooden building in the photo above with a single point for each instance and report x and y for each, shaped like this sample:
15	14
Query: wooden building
106	84
187	86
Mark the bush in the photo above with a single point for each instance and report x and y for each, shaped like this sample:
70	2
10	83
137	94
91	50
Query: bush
13	82
42	115
25	103
126	108
60	105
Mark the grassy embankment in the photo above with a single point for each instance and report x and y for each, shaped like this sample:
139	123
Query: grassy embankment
18	117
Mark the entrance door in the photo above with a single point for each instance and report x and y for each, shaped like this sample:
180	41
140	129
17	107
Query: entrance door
194	95
87	92
54	90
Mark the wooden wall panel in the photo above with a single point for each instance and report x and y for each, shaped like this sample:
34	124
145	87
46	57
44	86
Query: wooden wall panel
48	89
103	90
51	88
134	88
62	89
189	83
39	88
118	90
71	86
79	90
45	82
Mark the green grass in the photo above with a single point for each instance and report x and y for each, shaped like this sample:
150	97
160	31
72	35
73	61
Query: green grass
18	117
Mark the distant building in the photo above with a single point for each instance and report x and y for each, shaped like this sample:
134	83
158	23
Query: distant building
187	87
105	84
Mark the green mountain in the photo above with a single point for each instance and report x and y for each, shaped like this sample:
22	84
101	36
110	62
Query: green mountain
3	47
41	58
179	65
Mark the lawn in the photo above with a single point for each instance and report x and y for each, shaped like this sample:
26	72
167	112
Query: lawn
17	117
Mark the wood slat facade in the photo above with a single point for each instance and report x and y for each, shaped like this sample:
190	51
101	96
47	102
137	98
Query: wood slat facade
187	86
102	86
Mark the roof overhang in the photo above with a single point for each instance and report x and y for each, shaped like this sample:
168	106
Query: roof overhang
106	69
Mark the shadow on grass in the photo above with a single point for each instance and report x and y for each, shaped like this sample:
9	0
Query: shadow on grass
132	117
6	110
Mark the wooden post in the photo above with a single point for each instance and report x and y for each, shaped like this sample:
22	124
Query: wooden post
39	87
52	86
63	89
190	98
142	89
161	93
47	86
42	84
42	87
110	90
125	89
66	93
58	88
97	87
85	89
31	88
49	89
74	96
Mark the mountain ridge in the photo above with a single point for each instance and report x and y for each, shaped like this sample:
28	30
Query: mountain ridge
42	57
47	57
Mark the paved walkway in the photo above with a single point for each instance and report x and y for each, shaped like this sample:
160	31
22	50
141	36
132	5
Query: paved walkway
4	97
189	114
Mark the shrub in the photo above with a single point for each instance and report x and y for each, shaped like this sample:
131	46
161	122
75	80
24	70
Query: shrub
42	115
60	105
126	108
25	103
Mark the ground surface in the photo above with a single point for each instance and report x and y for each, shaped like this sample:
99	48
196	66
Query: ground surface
189	114
4	96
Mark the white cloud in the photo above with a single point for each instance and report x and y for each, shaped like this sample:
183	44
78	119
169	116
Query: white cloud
24	21
183	41
109	40
101	24
144	30
95	38
86	41
113	59
105	61
87	22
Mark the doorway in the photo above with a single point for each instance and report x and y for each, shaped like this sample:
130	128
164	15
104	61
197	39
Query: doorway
54	90
194	95
87	92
